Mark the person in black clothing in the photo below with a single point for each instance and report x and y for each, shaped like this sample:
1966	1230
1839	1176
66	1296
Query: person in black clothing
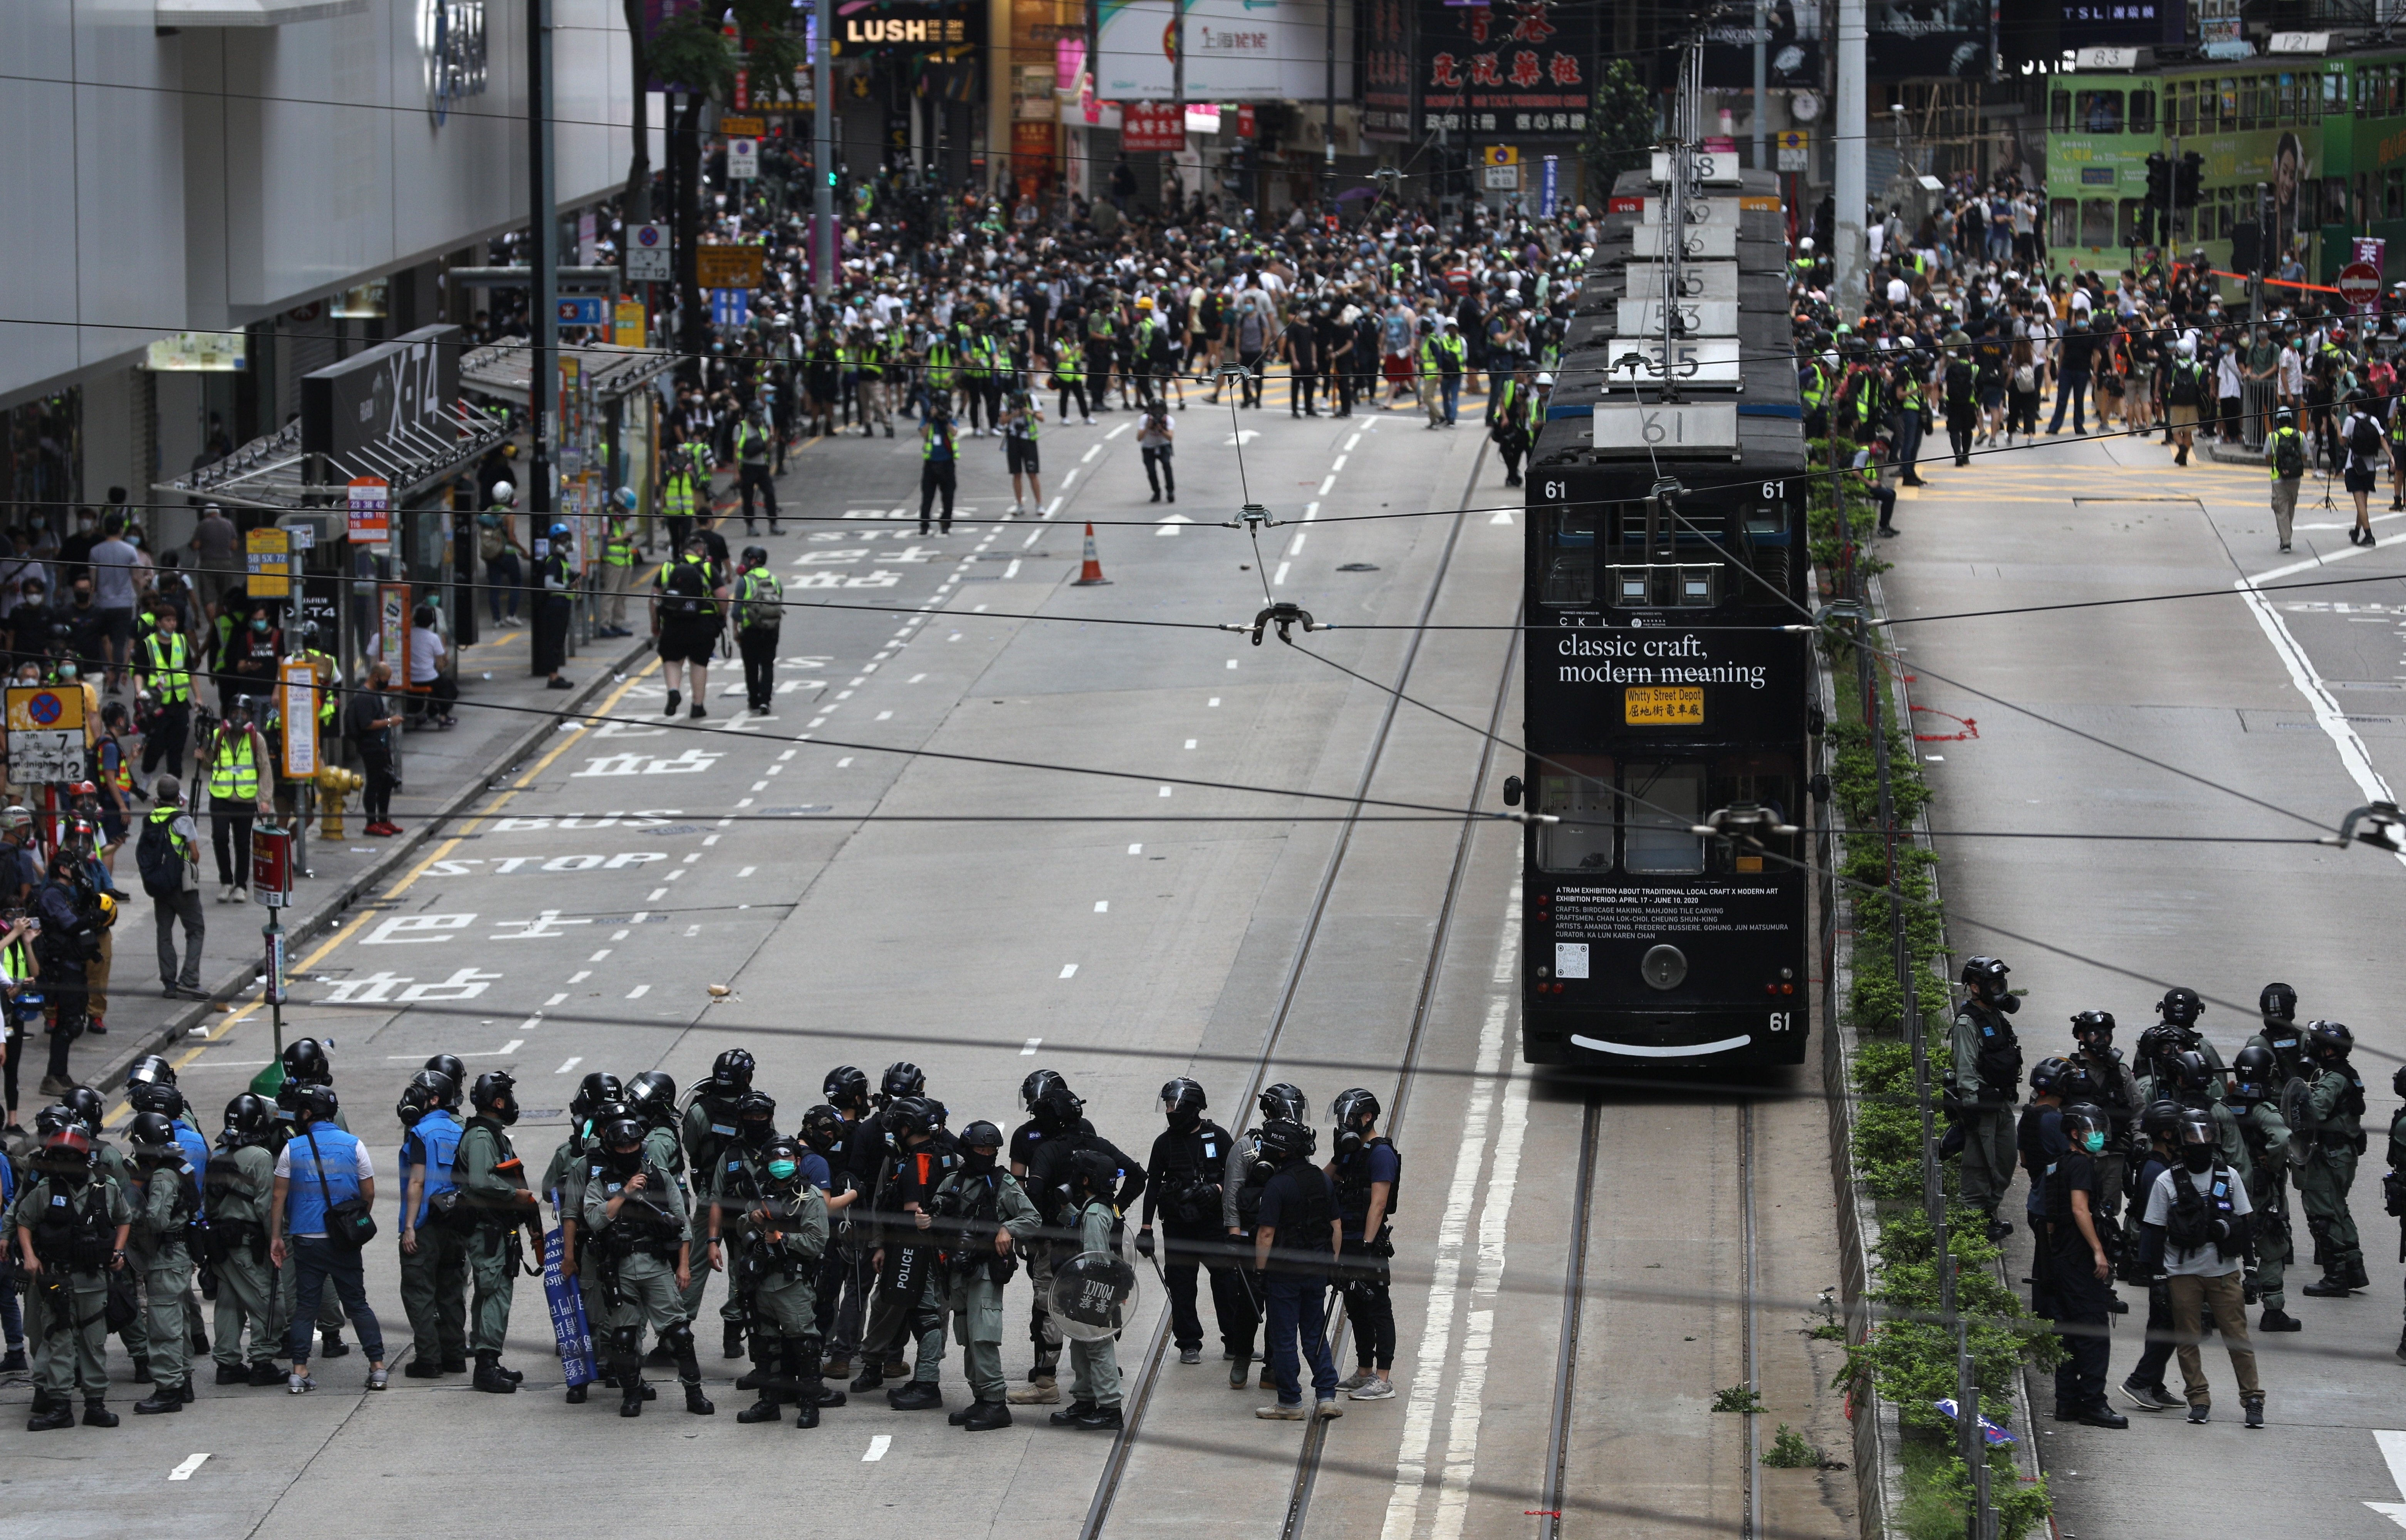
1368	1173
1057	1130
368	721
247	665
2143	1387
559	584
1301	347
2072	381
2078	1272
1295	1244
1183	1185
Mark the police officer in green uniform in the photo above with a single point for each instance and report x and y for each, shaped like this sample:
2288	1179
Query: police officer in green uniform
736	1185
2330	1122
760	609
162	1249
433	1247
71	1228
2280	1035
2255	1102
235	1192
983	1216
907	1301
1986	1081
635	1214
1093	1366
493	1183
787	1218
709	1128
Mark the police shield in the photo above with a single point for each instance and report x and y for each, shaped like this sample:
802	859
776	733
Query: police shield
1094	1294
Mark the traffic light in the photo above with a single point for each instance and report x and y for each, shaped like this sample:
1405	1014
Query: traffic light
2189	180
2143	229
2160	181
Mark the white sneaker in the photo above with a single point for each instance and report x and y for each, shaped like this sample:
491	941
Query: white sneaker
1377	1390
300	1384
1280	1412
1328	1408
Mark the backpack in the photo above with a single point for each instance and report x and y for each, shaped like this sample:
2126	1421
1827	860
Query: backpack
2364	438
161	864
2025	377
1959	384
2289	455
686	589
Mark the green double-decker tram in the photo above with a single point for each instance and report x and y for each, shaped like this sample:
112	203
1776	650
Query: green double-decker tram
2301	152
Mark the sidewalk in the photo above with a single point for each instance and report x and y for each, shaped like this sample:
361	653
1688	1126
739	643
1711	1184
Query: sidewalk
441	772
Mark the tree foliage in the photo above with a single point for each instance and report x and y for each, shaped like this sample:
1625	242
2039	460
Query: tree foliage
1621	131
693	50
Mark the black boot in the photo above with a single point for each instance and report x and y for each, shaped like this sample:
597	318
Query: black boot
97	1415
166	1398
769	1409
810	1391
871	1375
985	1416
1074	1412
2278	1320
919	1395
630	1390
199	1343
2357	1276
50	1413
491	1378
141	1375
2329	1286
689	1373
331	1345
578	1395
767	1353
733	1344
232	1373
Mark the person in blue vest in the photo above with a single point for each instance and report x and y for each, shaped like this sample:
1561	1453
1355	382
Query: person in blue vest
433	1247
322	1167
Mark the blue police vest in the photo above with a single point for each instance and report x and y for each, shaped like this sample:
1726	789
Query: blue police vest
196	1149
432	1141
305	1209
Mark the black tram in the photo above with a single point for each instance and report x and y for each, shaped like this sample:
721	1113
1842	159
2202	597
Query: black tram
1666	556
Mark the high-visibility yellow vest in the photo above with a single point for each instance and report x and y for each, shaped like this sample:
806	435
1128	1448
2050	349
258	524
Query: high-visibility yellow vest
677	494
759	600
618	544
170	674
234	770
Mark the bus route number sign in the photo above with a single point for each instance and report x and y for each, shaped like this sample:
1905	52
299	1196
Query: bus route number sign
1664	706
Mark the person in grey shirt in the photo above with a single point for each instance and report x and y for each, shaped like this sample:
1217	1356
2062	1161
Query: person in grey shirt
113	561
213	555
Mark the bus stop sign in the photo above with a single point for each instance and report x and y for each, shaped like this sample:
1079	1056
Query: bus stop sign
2359	284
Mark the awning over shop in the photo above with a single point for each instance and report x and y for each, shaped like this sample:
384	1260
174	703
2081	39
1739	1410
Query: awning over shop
270	473
503	370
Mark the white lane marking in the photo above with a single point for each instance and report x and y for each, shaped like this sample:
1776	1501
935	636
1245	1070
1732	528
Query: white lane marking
844	763
1011	571
580	976
1336	465
2352	755
747	872
1102	906
1280	577
1213	701
1326	481
658	893
1502	515
1165	791
571	1063
1232	662
184	1472
502	1053
1117	431
2393	1449
1088	459
1352	441
1420	1411
877	1447
1070	477
788	755
712	839
1470	1386
1050	509
1028	1050
1192	741
620	935
673	876
1136	850
1069	970
639	992
1294	548
914	678
884	717
599	955
1310	512
554	999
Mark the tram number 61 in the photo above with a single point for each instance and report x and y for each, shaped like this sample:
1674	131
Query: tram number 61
1779	1020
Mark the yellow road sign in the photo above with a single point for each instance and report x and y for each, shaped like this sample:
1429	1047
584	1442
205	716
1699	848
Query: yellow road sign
1500	155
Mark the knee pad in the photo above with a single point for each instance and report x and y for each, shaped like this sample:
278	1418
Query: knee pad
679	1338
627	1340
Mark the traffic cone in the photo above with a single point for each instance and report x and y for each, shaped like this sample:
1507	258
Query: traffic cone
1091	575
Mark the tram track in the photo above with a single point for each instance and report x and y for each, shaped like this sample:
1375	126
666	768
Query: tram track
1138	1397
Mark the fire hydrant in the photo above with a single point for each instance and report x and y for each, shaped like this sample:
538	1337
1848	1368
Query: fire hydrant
332	782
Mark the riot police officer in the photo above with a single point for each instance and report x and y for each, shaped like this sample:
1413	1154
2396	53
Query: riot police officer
1054	1114
635	1213
2278	1006
236	1189
1368	1177
492	1184
2180	1007
982	1219
2077	1269
72	1224
908	1298
729	1193
151	1087
1183	1185
1295	1242
709	1126
1093	1173
2039	1142
851	1164
1249	1170
1986	1081
2255	1075
786	1220
2197	1087
161	1247
2116	1093
433	1247
2331	1121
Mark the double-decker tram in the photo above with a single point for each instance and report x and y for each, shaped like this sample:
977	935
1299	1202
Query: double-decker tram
1665	688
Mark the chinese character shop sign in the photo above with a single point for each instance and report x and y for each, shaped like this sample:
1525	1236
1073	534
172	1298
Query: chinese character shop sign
1516	69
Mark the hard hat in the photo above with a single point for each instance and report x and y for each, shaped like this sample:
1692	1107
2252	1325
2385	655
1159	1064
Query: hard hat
505	494
627	498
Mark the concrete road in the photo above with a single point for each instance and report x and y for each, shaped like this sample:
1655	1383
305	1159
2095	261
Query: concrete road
1187	912
2260	719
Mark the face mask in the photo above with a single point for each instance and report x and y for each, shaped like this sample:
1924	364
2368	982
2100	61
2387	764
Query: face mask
67	671
259	624
2092	1141
978	1162
783	1170
1185	1118
2198	1157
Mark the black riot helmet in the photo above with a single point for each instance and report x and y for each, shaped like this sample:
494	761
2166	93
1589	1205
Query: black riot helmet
1284	1103
591	1091
980	1134
2191	1073
1352	1108
305	1060
822	1125
160	1097
907	1117
902	1079
2093	1030
1182	1102
2255	1074
2160	1117
51	1119
2045	1074
2180	1007
755	1118
248	1118
1093	1175
1985	977
2087	1115
426	1091
2330	1040
68	1154
2398	1080
2199	1142
2278	1003
149	1069
786	1148
621	1133
2159	1042
449	1064
652	1096
2075	1083
310	1103
1038	1081
732	1072
495	1096
846	1085
152	1135
84	1102
1286	1139
1056	1111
